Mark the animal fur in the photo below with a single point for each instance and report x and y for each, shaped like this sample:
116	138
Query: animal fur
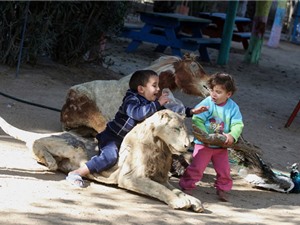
145	156
92	104
63	151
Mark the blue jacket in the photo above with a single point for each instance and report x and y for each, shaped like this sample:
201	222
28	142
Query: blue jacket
134	109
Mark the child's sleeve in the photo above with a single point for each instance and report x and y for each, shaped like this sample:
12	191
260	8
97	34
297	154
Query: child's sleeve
199	119
199	122
139	112
236	130
237	125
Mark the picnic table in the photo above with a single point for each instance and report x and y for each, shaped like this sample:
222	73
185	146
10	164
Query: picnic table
172	30
241	32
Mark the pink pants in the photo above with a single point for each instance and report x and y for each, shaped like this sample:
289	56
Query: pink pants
202	155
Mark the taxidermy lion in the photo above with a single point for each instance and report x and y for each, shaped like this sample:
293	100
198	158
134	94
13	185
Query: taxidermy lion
145	156
90	105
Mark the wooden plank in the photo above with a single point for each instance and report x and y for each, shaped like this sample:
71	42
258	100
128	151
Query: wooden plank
176	16
204	41
132	26
202	45
242	35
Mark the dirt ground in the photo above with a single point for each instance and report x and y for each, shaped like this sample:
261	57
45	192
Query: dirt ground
267	94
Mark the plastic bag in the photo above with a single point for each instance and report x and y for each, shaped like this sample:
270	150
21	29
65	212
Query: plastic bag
174	104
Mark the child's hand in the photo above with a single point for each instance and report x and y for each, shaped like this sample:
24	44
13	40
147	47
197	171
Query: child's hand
163	99
229	139
200	109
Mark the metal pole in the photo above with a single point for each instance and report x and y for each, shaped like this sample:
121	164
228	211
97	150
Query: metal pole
227	32
23	36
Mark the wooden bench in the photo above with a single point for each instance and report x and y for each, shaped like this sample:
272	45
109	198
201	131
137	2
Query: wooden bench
137	27
204	43
242	37
128	27
132	26
167	30
215	29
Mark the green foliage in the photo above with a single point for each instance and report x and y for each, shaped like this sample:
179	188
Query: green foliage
10	28
64	31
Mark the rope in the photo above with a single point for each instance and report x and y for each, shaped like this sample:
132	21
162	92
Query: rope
30	103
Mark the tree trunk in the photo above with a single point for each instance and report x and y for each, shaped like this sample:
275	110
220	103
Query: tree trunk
277	24
258	29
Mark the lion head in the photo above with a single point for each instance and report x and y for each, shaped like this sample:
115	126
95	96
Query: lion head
169	127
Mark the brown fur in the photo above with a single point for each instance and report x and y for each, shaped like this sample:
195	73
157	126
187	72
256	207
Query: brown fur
144	157
167	80
92	104
190	76
79	110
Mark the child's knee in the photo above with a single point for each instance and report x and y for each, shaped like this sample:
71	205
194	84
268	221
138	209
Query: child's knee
111	158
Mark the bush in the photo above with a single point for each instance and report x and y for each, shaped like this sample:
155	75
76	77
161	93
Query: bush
64	31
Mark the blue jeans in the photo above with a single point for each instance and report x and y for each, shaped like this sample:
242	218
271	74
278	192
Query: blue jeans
109	144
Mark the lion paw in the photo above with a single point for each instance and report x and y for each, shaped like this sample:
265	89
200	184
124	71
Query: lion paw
186	201
180	203
195	203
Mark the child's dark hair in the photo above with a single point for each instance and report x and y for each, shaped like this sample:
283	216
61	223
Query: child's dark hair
140	77
223	79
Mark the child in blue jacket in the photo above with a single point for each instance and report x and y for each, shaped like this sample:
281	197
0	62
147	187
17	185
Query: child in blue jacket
140	102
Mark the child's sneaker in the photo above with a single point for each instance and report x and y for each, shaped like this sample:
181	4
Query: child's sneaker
222	195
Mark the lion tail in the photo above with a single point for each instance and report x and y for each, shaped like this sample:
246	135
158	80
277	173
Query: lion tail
22	135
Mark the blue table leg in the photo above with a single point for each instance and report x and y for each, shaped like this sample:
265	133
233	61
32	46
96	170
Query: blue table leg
133	46
177	52
160	48
135	43
171	36
204	54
